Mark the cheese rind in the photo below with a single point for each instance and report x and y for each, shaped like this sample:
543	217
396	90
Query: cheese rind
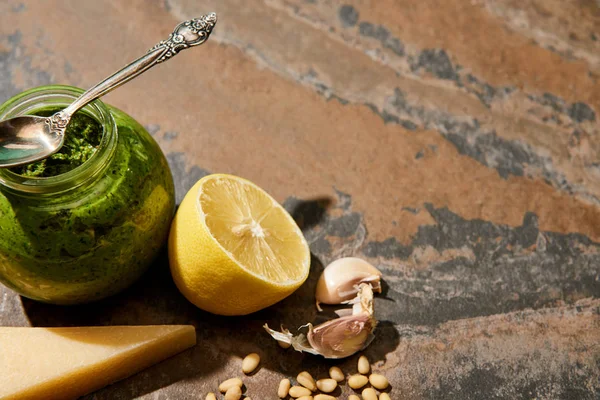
66	363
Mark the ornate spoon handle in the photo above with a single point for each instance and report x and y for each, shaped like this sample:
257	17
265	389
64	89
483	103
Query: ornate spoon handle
187	34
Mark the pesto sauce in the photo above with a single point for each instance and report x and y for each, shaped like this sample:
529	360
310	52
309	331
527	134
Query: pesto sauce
95	240
82	138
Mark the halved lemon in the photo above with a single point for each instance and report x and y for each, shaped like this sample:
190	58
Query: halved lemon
233	249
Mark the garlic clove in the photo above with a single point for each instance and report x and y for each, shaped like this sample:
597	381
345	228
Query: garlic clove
339	280
340	337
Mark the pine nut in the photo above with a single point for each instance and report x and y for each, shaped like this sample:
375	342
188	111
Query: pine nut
353	397
211	396
306	380
224	386
357	381
250	363
378	381
324	397
384	396
326	385
369	394
363	365
233	393
336	373
284	345
305	398
284	388
299	391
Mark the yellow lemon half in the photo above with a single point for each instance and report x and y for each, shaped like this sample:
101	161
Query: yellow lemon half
233	249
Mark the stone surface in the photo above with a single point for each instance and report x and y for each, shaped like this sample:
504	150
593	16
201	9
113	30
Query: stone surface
453	144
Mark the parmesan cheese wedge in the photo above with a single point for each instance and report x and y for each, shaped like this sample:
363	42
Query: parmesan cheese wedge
66	363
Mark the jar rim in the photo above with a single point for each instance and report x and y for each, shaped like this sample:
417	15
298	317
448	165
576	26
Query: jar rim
39	97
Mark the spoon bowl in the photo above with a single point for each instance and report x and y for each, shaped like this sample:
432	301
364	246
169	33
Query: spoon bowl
27	139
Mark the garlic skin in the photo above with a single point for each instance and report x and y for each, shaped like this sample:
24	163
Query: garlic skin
299	342
339	281
340	337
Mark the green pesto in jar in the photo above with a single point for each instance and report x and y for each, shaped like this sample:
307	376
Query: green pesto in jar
82	138
93	240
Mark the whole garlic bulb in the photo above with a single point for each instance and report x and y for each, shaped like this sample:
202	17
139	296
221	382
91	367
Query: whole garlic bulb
340	280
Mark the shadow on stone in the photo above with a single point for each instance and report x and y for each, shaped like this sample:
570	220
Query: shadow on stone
308	213
386	341
385	288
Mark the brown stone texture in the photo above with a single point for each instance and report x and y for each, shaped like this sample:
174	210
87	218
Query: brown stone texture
454	144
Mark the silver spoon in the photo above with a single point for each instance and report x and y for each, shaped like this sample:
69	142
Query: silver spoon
27	139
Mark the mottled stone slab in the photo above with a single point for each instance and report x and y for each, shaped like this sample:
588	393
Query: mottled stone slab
453	144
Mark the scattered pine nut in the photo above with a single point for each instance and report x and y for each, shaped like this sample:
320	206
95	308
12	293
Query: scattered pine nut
357	381
363	365
225	385
336	373
305	398
324	397
378	381
326	385
250	363
211	396
284	388
306	380
369	394
384	396
353	397
284	345
233	393
299	391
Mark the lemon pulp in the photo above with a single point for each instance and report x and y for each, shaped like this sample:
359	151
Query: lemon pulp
253	228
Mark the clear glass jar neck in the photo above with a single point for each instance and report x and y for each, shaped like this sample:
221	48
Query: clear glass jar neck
58	96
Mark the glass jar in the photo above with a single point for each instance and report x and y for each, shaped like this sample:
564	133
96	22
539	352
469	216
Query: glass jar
90	232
